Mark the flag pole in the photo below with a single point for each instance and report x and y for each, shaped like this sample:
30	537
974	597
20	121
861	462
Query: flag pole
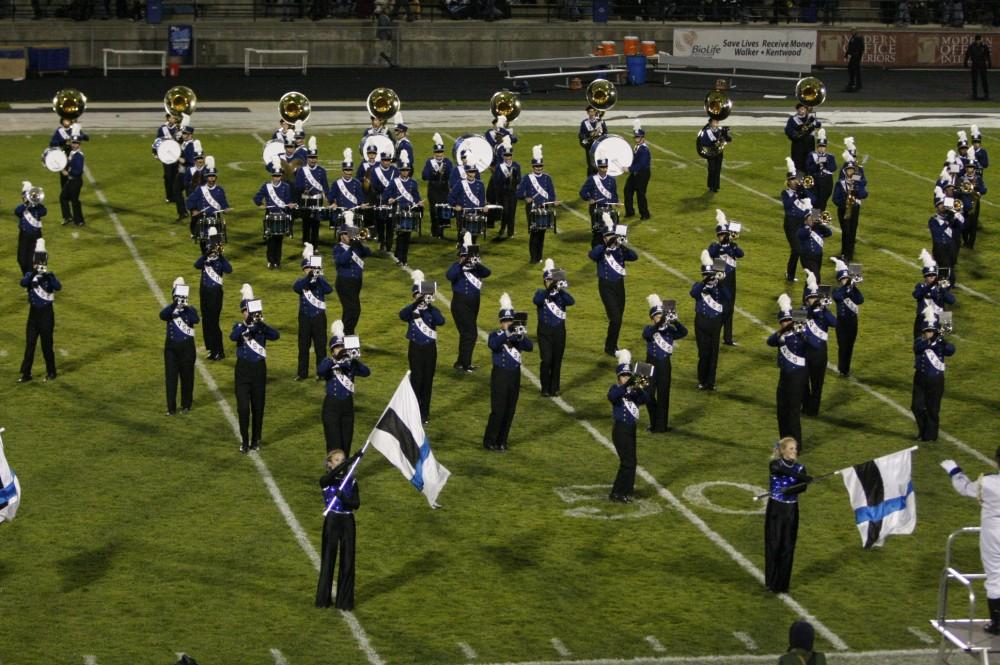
347	476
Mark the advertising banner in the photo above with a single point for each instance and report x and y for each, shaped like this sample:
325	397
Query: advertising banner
796	47
180	43
902	49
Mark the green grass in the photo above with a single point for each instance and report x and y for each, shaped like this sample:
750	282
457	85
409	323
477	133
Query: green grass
141	536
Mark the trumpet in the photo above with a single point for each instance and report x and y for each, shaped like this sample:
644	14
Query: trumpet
640	382
669	316
363	233
808	182
181	301
958	206
968	187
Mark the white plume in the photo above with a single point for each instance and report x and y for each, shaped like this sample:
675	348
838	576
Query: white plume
179	281
549	263
210	162
348	155
197	146
950	157
185	120
25	186
300	126
398	118
962	137
505	302
929	316
938	192
536	152
437	139
821	134
789	165
944	175
349	217
847	157
337	328
312	144
974	130
212	232
706	258
501	121
811	280
636	125
75	129
276	166
784	303
404	159
307	250
247	292
418	276
720	217
506	142
849	144
927	259
467	239
838	265
654	300
40	245
623	356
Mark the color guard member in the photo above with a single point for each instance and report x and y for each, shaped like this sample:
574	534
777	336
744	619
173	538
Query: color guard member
339	533
781	519
178	348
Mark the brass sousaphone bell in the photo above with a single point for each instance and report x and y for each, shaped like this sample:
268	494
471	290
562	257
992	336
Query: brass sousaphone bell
718	105
294	106
383	103
69	103
505	103
180	100
601	94
810	91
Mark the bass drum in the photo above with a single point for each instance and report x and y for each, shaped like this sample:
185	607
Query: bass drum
383	144
167	151
273	149
54	159
480	152
616	150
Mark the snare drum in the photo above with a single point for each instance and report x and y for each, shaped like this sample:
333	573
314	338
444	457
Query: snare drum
474	221
336	217
408	219
445	213
277	224
207	221
541	219
312	203
494	214
383	214
597	217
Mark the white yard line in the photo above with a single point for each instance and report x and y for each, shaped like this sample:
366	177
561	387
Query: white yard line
90	660
882	657
920	635
360	636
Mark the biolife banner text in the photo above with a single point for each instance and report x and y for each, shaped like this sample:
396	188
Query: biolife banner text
796	47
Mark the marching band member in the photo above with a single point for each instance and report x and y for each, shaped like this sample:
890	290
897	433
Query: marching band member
970	202
168	131
312	288
339	370
799	130
598	188
339	533
403	145
347	191
798	203
610	257
538	192
370	163
300	153
210	198
944	226
495	137
708	318
714	139
275	197
821	165
638	174
422	320
178	347
505	181
69	197
592	128
213	265
726	249
404	193
311	181
962	146
929	352
469	193
930	292
859	168
781	519
847	196
664	329
283	128
183	162
377	127
979	153
379	179
64	132
812	236
192	174
466	276
625	397
507	343
819	320
41	286
458	173
29	215
349	256
551	302
436	173
848	298
251	336
792	373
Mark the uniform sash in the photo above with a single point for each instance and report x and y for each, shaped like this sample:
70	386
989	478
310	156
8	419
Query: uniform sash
613	264
506	169
345	381
256	347
436	165
346	192
599	184
313	300
212	275
662	343
816	238
555	309
729	259
312	179
183	326
514	353
539	190
358	260
475	281
631	407
851	305
273	195
209	199
804	205
381	176
43	294
31	219
934	360
425	329
798	361
473	199
817	332
711	302
401	188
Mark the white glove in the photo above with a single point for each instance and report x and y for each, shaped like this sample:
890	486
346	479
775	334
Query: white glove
949	465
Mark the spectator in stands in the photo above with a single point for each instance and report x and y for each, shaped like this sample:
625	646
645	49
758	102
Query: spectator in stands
800	646
903	14
783	7
828	9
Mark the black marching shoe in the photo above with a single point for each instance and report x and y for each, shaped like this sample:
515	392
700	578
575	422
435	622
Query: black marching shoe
24	378
244	447
993	627
620	498
51	376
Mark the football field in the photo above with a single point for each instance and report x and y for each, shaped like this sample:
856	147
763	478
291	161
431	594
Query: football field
141	536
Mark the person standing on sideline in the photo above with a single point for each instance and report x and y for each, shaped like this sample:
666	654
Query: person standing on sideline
466	276
422	320
610	257
178	349
552	302
251	336
708	319
507	343
929	350
349	257
664	329
848	298
853	51
69	197
312	288
638	174
781	518
625	397
338	533
42	286
213	266
801	637
29	223
726	248
793	376
338	370
978	55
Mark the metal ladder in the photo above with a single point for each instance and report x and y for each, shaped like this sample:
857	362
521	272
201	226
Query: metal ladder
966	634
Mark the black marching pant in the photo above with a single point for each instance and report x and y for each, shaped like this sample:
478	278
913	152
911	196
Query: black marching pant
791	388
781	530
926	404
944	256
384	228
551	347
339	532
591	169
714	172
847	333
436	193
338	423
623	436
509	202
707	330
812	395
635	186
728	307
505	388
179	198
310	228
251	387
849	230
823	189
402	252
800	151
465	310
69	197
814	264
169	173
613	296
211	309
854	73
536	246
791	235
969	229
658	405
312	332
274	249
26	251
41	323
349	292
178	362
423	364
980	74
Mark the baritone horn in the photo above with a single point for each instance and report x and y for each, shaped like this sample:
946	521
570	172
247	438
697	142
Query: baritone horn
69	103
383	103
601	94
505	103
294	106
810	91
180	100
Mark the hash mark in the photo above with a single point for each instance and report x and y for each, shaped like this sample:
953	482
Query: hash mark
468	651
655	643
560	647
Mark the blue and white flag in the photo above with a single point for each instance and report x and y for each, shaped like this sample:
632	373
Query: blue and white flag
881	493
10	489
399	436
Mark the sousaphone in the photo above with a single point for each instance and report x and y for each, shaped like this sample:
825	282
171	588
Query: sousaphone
505	103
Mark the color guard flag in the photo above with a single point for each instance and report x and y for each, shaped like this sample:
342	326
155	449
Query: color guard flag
399	436
881	493
10	489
